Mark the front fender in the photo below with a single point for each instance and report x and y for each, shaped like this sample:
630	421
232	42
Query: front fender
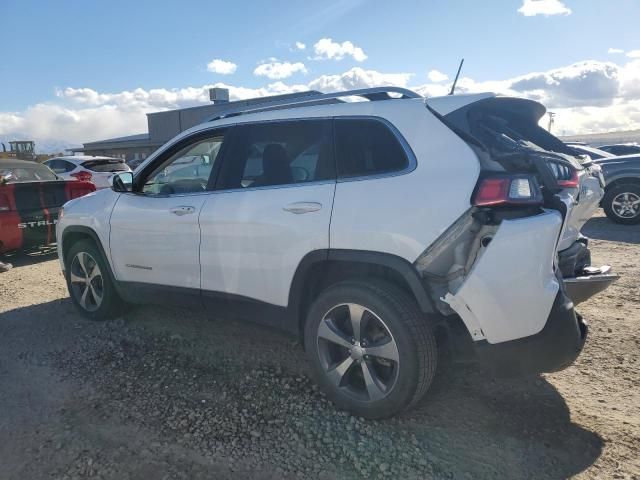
91	212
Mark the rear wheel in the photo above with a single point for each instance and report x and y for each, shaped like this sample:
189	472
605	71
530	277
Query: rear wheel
89	283
371	349
622	204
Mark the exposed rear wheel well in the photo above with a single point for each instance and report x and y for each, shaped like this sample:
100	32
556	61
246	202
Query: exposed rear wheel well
323	274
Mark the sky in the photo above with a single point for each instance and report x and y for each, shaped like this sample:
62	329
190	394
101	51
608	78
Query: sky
77	71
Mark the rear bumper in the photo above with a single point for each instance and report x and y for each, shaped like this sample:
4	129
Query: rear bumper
584	287
581	280
554	348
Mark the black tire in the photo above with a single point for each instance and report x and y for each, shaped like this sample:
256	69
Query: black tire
616	192
408	327
110	304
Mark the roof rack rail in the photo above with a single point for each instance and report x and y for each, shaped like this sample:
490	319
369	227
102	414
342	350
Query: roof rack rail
305	99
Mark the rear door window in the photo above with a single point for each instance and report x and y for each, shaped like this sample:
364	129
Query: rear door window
58	166
279	153
367	147
106	165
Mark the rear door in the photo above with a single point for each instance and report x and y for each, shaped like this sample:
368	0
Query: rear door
272	206
155	235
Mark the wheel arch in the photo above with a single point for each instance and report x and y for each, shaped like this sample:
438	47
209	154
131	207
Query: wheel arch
623	181
75	233
321	268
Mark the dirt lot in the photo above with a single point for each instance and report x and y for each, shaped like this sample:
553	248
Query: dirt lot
168	393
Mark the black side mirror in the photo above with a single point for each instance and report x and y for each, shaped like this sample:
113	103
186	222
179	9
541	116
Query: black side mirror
122	182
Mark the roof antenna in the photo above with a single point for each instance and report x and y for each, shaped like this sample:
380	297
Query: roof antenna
453	87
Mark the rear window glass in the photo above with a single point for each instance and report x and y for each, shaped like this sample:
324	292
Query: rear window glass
114	165
367	147
26	174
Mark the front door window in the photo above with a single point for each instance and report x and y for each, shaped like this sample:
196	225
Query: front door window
187	171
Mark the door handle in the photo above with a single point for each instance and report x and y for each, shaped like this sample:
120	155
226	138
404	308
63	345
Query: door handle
302	207
182	210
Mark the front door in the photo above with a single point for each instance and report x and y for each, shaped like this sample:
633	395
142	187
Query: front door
155	234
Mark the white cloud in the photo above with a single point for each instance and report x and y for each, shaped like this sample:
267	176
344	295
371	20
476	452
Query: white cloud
633	54
222	67
279	70
589	96
531	8
300	46
358	78
589	83
327	49
615	50
437	76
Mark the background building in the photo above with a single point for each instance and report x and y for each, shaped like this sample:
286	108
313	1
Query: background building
610	138
163	126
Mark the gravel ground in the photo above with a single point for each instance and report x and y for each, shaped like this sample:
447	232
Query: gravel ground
168	393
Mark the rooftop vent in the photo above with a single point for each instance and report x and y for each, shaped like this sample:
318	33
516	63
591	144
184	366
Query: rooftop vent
219	95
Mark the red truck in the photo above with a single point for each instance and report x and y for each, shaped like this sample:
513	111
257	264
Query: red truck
31	196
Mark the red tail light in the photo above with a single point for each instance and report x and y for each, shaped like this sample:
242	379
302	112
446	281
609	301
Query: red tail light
507	190
4	203
81	190
566	176
572	182
83	176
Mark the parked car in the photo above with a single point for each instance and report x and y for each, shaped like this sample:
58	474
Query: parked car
621	201
593	152
30	198
98	170
377	232
622	149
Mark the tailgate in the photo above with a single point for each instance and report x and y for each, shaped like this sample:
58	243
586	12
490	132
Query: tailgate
34	211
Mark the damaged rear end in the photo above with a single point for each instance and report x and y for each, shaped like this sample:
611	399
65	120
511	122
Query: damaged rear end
513	266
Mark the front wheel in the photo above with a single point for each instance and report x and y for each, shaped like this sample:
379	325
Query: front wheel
622	204
90	286
371	349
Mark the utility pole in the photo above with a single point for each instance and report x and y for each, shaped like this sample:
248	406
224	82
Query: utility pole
551	120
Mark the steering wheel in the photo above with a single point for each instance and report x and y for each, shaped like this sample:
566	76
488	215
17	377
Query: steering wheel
185	185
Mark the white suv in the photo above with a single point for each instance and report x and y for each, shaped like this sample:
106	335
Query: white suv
97	170
379	232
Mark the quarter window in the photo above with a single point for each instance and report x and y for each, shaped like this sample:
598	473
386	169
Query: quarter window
367	147
279	153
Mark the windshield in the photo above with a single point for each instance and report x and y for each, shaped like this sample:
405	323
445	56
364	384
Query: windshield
26	174
498	135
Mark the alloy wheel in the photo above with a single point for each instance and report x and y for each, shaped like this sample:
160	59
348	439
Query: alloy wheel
86	281
358	352
626	205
